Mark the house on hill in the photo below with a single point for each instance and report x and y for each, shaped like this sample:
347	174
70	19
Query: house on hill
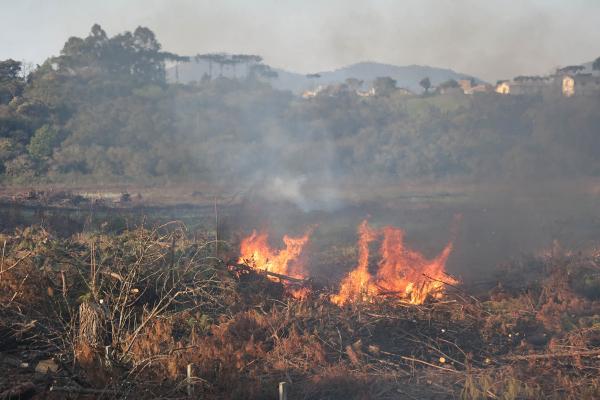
527	85
366	93
580	84
568	81
449	90
404	91
468	86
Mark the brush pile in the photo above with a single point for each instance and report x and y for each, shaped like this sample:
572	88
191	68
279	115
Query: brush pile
115	316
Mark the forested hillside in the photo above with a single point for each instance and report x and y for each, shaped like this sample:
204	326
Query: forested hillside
103	110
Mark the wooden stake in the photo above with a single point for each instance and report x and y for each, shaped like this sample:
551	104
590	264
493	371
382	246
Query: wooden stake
64	283
93	268
282	390
2	261
107	358
190	387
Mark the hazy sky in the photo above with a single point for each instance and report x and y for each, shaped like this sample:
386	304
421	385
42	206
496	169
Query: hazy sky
491	39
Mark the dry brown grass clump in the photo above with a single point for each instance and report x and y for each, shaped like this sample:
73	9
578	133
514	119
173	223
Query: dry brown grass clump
161	301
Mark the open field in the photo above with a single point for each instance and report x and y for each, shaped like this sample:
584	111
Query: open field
346	193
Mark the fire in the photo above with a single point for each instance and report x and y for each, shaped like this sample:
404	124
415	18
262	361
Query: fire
256	253
358	284
401	272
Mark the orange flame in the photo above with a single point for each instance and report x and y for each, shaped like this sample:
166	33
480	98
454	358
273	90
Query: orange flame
256	253
402	272
357	285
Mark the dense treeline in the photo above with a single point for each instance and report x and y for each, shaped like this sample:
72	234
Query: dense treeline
103	109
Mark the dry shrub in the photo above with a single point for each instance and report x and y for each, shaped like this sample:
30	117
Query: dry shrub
499	383
298	353
230	358
164	307
24	271
91	363
237	356
531	381
16	286
562	304
152	349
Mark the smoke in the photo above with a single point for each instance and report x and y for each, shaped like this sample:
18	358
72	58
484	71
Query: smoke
299	191
294	165
289	172
494	39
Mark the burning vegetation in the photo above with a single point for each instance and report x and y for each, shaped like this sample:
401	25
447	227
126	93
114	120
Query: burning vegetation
279	265
126	315
256	252
402	273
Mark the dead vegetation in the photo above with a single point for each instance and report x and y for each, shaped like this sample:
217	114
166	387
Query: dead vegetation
124	315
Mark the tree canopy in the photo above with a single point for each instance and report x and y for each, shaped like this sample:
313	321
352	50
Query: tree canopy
102	109
137	55
11	82
425	84
384	85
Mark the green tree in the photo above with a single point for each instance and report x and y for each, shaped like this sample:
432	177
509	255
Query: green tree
9	149
384	85
596	64
9	70
11	83
136	54
425	84
354	84
450	83
43	142
20	166
262	71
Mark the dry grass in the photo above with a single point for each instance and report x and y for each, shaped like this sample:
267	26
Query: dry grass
161	301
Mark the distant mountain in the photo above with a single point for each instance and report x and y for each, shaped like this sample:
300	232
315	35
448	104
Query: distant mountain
406	76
